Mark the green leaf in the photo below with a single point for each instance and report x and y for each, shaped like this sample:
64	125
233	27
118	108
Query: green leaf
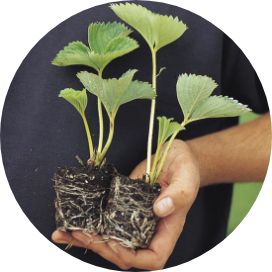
115	92
192	91
158	30
167	127
119	48
107	42
75	53
219	106
78	99
101	35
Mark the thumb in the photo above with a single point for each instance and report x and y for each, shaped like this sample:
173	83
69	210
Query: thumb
179	195
139	171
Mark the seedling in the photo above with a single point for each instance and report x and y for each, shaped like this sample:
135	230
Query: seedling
112	93
193	91
82	191
130	219
107	41
197	103
158	31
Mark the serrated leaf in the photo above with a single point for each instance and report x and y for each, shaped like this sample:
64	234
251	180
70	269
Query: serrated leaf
107	42
158	30
115	92
219	106
75	53
101	35
167	127
192	91
122	47
78	99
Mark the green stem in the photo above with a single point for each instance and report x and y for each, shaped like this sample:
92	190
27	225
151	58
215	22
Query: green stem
89	137
163	158
101	122
152	115
155	161
157	171
108	143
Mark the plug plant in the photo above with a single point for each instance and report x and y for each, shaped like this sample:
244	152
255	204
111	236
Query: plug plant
82	191
129	216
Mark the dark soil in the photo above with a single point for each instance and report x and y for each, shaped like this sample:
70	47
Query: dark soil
129	216
81	194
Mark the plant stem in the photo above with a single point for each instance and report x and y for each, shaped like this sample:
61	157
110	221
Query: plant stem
155	162
163	158
89	137
108	143
101	122
152	114
164	154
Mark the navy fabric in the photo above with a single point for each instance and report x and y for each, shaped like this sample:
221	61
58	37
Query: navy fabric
41	132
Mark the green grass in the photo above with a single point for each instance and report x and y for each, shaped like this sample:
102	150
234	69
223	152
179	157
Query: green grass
244	194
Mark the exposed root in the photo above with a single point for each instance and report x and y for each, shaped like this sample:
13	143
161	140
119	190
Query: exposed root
129	216
80	197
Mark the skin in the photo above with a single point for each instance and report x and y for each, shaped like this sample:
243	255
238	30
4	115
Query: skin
239	153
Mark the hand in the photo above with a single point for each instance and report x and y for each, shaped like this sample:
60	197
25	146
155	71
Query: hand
180	182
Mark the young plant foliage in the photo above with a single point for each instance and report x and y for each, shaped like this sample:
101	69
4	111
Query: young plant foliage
158	30
194	96
219	106
115	92
106	43
197	103
167	128
79	100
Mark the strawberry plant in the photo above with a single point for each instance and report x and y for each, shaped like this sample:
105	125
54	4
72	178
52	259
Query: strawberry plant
94	197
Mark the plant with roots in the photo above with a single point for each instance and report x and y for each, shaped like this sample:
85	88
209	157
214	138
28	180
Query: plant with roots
106	42
193	91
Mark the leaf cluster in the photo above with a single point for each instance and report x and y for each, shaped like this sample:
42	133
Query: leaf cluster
115	92
106	42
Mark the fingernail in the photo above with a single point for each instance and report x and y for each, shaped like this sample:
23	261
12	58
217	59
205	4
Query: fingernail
165	206
113	246
61	242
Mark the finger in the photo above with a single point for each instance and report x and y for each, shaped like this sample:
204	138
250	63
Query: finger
139	171
97	245
143	259
61	237
167	233
181	192
161	247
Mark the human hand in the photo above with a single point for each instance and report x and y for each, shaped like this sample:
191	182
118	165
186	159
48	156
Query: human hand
180	182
